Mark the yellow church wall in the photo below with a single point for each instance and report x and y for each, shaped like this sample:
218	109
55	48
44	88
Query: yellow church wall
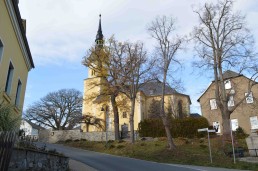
142	105
12	52
169	100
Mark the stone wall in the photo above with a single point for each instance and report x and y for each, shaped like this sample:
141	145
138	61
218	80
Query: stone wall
25	159
63	135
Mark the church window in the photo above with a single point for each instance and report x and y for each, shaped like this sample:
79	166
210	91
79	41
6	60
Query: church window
213	104
249	98
92	72
124	115
180	109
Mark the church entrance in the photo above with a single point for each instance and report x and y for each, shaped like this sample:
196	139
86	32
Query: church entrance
124	132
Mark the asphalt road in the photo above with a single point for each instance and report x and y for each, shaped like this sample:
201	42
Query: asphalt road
106	162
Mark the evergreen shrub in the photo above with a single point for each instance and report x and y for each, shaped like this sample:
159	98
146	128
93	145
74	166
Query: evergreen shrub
186	127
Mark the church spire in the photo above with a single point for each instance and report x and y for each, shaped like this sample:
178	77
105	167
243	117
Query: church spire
99	36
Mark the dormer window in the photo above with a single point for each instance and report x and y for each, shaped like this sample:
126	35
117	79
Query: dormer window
227	84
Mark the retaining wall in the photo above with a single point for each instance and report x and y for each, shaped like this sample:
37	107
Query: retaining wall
63	135
26	159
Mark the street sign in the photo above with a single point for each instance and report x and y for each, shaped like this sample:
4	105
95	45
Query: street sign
203	129
211	130
207	130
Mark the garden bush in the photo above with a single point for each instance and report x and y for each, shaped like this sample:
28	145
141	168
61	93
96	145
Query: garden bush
186	127
240	133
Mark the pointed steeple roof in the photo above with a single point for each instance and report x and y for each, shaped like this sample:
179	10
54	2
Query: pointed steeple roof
99	36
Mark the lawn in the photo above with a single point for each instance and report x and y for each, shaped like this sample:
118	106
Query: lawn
189	151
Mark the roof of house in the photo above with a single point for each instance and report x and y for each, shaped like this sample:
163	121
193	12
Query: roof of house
33	125
18	15
226	75
230	74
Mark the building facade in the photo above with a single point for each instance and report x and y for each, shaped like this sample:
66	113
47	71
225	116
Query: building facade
147	97
30	129
245	115
15	56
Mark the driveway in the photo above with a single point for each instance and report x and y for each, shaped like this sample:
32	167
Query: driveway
106	162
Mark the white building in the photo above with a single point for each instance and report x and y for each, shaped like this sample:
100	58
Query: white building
30	129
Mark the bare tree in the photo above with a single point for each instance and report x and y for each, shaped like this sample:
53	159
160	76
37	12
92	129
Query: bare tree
136	68
161	29
105	61
59	110
222	42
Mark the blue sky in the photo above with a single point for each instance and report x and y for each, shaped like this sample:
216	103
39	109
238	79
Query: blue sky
61	31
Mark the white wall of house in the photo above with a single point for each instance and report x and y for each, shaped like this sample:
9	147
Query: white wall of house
27	128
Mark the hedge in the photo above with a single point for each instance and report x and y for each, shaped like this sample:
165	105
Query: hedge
186	127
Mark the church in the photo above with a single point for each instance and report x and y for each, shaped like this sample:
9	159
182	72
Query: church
146	102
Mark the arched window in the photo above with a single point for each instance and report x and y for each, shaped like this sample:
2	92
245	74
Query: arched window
1	49
180	109
92	72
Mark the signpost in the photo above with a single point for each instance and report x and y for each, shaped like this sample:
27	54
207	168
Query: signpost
204	130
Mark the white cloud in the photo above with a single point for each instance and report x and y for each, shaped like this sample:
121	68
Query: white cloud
61	31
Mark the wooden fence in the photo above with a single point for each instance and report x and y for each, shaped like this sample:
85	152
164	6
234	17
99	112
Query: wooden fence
7	140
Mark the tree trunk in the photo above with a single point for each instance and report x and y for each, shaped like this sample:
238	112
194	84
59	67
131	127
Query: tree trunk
87	127
171	144
132	120
226	124
116	116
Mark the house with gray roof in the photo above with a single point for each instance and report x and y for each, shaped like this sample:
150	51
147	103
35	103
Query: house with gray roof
236	86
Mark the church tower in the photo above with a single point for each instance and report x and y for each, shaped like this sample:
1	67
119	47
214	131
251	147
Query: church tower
99	44
93	85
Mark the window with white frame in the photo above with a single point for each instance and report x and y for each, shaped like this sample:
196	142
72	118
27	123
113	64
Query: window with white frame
213	104
216	126
234	124
9	79
231	101
18	93
1	49
249	97
227	84
254	122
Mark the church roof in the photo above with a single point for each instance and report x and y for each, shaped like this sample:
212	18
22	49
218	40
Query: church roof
99	35
155	88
